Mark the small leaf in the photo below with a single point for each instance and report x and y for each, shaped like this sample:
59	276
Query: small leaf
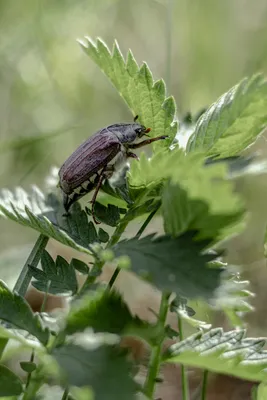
98	365
15	310
28	366
103	236
234	121
56	277
174	264
107	312
10	384
186	313
80	266
222	352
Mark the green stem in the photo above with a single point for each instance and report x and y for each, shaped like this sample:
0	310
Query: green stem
45	297
154	363
98	265
30	373
25	276
185	388
137	236
204	385
65	394
34	385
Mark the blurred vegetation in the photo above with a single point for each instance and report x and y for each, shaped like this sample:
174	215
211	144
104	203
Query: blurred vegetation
52	97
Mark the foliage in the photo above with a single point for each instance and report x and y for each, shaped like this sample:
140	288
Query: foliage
79	348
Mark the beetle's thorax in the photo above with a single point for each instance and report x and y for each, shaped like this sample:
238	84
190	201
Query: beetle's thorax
126	133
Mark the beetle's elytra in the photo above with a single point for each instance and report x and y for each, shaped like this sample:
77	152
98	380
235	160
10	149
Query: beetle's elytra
97	158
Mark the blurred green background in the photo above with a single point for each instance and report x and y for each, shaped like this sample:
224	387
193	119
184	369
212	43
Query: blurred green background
52	96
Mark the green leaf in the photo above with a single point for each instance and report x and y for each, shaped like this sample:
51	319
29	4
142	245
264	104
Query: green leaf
10	384
56	277
15	310
103	236
222	352
80	266
194	196
262	392
28	366
83	393
109	215
45	215
174	264
99	365
234	121
144	97
179	306
107	312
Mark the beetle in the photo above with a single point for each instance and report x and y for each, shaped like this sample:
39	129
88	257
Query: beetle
98	158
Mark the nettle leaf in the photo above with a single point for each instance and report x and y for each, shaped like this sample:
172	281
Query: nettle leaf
234	121
56	277
99	365
136	86
194	195
107	312
109	215
222	352
10	384
174	264
15	310
45	215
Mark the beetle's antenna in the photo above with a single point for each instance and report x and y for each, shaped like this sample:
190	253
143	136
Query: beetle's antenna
135	118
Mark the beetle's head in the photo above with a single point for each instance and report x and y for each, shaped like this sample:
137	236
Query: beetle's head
140	130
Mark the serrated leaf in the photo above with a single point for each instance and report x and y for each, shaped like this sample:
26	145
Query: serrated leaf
234	121
107	312
15	310
56	277
109	215
101	366
45	215
222	352
194	196
136	86
174	264
187	313
10	384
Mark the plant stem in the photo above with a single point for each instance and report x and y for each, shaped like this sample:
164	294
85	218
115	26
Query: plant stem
25	276
45	297
185	388
204	385
65	394
30	373
137	236
154	363
98	265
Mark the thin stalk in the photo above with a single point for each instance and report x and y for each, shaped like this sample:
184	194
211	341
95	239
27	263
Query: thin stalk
137	236
185	388
30	373
25	276
65	394
154	363
98	265
45	297
204	385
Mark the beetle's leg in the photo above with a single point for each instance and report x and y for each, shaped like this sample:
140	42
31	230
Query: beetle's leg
145	142
98	186
132	155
